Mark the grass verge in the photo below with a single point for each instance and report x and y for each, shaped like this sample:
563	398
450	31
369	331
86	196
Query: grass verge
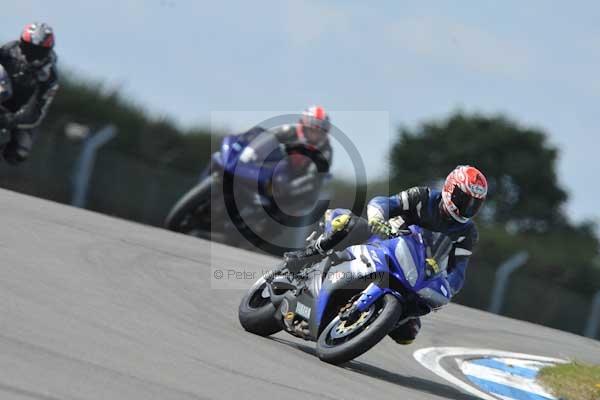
573	381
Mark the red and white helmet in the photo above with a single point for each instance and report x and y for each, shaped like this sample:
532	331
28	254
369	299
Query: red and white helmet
464	193
315	125
37	40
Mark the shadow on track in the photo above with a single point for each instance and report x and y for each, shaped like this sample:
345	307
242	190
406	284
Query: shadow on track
412	382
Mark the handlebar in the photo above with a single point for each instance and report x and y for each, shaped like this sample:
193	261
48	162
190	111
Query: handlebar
400	232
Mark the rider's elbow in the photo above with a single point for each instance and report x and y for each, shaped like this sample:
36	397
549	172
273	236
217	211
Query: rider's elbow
456	278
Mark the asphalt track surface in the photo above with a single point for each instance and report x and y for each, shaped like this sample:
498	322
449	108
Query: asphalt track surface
93	307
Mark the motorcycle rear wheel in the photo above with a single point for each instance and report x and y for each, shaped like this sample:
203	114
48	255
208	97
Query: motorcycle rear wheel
257	314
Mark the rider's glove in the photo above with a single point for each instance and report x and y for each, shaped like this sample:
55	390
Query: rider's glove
380	227
431	268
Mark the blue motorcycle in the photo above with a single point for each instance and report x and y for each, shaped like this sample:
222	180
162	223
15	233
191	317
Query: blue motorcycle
352	299
237	190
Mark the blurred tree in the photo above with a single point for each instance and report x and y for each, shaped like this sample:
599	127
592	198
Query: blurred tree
524	207
155	140
518	161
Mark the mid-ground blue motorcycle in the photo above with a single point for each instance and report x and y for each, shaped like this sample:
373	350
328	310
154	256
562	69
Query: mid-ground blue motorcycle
351	300
238	192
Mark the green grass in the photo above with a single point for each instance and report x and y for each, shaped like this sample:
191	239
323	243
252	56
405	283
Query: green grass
573	381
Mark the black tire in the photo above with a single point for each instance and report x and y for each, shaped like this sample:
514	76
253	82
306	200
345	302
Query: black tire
199	195
257	314
386	313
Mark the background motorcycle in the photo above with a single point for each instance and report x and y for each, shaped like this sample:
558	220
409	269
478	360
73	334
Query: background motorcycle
5	94
349	301
238	188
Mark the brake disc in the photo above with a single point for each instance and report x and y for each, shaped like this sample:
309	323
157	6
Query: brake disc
341	330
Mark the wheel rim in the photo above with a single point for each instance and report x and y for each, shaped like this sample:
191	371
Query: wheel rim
343	329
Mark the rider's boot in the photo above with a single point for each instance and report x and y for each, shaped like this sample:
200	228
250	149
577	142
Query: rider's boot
321	247
296	260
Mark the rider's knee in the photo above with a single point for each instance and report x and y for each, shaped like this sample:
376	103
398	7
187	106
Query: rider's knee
341	228
336	220
15	154
341	222
18	149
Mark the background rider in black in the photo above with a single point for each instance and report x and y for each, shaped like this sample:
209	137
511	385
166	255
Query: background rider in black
31	66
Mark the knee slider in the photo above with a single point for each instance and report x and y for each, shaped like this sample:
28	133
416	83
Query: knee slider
340	222
22	153
14	155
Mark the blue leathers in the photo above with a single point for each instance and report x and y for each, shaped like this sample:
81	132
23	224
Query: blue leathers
450	243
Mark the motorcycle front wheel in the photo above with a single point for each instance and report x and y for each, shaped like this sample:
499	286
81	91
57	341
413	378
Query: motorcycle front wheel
193	210
342	341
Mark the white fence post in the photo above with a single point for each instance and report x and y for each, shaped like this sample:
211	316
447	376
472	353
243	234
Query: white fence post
85	164
502	275
591	328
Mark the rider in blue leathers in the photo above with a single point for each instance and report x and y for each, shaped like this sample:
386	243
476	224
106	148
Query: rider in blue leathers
449	233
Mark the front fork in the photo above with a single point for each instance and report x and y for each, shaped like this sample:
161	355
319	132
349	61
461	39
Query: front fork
365	299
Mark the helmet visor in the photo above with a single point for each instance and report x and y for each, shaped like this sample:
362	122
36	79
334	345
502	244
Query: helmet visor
315	135
33	52
468	206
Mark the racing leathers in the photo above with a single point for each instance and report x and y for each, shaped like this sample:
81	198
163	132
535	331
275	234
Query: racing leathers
300	167
33	89
301	154
449	244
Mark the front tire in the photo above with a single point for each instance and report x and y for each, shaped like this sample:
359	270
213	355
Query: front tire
257	314
339	343
183	217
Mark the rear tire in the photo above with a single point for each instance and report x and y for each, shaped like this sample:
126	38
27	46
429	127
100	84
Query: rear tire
186	208
257	314
386	312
